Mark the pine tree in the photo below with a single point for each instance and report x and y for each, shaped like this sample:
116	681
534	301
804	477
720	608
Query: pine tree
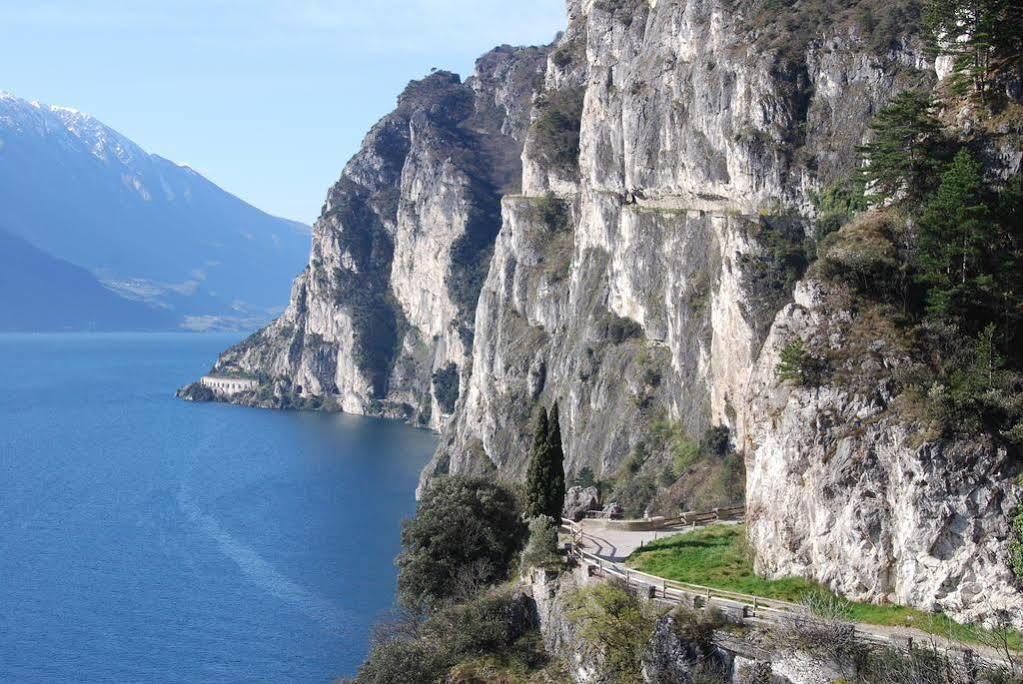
538	474
905	152
964	253
556	485
983	37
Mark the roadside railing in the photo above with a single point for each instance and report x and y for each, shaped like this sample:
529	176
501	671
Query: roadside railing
744	607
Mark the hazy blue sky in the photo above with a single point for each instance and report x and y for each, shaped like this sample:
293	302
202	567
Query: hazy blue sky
268	98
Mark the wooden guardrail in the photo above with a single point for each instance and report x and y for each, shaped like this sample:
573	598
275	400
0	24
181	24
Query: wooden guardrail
688	519
745	607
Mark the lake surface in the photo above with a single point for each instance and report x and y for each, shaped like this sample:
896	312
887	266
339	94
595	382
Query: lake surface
144	538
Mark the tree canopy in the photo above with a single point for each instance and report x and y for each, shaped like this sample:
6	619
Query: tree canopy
466	534
905	151
984	38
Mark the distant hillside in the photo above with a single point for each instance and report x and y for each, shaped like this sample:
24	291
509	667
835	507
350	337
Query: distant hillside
145	226
40	293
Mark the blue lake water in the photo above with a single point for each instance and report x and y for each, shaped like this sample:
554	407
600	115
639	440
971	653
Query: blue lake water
144	538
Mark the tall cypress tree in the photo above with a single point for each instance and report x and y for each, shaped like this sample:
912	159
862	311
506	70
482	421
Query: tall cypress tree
556	485
538	474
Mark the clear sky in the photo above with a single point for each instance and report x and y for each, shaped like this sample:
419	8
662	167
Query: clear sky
267	98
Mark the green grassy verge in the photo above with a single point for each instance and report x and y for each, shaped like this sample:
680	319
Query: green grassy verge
718	556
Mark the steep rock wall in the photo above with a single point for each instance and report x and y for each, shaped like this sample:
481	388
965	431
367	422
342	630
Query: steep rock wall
844	489
698	153
399	253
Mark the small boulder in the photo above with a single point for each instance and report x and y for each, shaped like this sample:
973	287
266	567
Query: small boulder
613	511
579	500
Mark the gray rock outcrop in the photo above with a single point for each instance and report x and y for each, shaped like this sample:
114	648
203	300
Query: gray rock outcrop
579	501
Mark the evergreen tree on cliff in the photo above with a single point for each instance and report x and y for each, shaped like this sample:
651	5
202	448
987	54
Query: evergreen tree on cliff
545	479
556	486
539	469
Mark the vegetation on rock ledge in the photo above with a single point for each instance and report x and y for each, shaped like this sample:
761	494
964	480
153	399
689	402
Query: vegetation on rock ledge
466	535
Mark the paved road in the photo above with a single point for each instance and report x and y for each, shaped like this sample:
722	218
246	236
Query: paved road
617	545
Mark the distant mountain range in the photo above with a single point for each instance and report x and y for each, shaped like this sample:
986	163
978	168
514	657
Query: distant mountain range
42	293
184	252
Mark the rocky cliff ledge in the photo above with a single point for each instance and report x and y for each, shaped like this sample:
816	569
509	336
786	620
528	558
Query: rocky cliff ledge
618	223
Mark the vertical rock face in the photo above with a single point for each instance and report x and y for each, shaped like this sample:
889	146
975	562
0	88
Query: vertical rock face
843	488
400	251
698	150
637	265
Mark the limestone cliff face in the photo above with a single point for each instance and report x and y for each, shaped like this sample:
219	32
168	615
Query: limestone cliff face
844	488
698	151
616	224
399	253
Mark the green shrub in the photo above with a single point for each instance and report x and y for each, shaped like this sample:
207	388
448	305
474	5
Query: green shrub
716	441
563	56
584	478
445	387
615	621
403	662
973	389
634	493
619	330
1016	541
542	548
772	272
466	534
836	205
798	366
495	625
865	256
698	626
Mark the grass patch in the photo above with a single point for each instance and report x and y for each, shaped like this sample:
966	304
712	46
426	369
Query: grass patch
718	556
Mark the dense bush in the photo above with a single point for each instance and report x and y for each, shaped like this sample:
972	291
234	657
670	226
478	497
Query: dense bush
716	441
619	624
542	548
836	205
798	366
496	625
787	26
552	212
634	493
771	273
466	535
619	330
969	385
865	255
445	387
